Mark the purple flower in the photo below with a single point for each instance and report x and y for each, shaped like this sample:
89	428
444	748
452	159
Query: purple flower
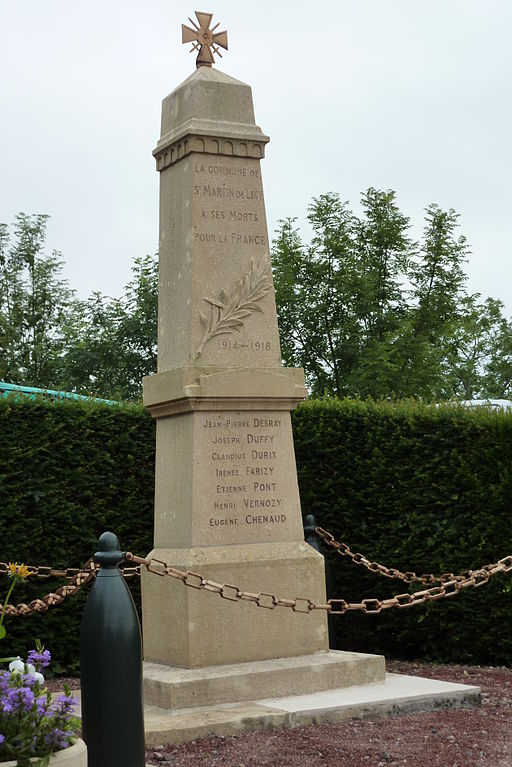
64	705
5	705
57	738
21	698
37	725
28	680
5	681
41	705
39	659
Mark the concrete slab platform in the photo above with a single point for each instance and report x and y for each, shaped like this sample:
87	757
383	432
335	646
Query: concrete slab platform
396	694
180	688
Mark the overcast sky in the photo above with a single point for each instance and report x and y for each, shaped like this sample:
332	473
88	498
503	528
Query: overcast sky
410	95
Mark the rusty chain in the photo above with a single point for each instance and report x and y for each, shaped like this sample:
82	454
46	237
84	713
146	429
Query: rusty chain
482	573
448	585
81	577
224	590
332	606
44	571
77	577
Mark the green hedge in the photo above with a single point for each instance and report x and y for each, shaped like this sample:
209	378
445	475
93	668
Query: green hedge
411	486
94	465
417	488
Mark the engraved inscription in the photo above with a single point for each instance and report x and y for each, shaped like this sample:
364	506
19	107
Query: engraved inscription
251	346
259	471
216	522
235	238
247	239
216	169
228	456
227	192
226	424
218	215
227	472
244	482
260	438
243	217
246	218
263	455
233	306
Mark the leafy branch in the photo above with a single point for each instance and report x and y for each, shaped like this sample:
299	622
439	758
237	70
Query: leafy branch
230	309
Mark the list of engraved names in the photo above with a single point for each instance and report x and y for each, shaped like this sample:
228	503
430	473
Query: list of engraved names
244	469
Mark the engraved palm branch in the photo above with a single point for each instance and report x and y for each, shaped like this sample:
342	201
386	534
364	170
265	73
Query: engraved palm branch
230	309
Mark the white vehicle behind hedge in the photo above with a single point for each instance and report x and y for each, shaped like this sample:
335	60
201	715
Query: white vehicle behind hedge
492	404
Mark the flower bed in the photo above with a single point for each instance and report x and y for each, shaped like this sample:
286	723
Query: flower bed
32	723
35	728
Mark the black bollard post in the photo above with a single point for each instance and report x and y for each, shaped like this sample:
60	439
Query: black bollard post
312	538
111	667
309	533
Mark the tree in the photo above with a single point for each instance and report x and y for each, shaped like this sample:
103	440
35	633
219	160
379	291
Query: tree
497	378
314	294
114	343
50	339
479	358
383	250
340	302
36	304
435	301
368	312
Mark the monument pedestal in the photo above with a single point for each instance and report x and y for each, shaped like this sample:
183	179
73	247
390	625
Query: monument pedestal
227	506
193	628
177	688
179	717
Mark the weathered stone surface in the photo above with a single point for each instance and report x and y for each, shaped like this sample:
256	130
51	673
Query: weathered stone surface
240	487
394	695
197	628
216	299
178	688
226	497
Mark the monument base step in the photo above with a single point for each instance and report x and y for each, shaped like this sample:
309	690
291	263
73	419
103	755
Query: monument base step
395	694
169	687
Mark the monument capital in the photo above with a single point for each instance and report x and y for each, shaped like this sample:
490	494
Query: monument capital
209	113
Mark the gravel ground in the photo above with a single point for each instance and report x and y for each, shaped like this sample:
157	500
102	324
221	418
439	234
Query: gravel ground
476	737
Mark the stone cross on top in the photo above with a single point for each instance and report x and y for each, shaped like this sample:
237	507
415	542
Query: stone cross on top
204	39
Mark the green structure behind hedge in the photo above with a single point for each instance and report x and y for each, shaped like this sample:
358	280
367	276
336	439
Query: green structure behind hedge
411	486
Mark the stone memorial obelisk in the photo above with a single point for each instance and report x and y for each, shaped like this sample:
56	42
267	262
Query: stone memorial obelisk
226	496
